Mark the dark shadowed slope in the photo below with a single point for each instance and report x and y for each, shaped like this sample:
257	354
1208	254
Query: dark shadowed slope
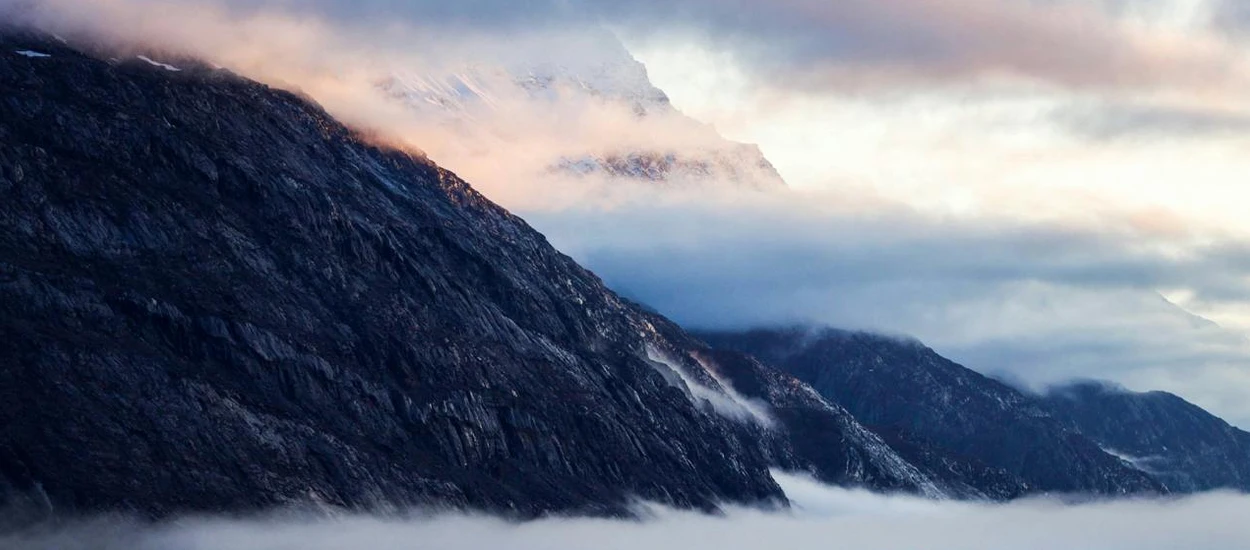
942	416
1185	447
805	431
215	297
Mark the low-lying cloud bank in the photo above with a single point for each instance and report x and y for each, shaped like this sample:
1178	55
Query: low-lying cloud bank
823	517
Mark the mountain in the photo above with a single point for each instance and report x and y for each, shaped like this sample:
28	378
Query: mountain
805	431
589	104
941	416
1177	442
215	297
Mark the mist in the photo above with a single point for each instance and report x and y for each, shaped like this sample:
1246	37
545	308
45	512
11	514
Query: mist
822	517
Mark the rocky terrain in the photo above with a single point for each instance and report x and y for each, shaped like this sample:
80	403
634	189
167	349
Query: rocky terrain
942	416
214	297
1176	442
807	432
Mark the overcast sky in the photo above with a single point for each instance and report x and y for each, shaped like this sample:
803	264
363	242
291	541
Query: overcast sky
1046	189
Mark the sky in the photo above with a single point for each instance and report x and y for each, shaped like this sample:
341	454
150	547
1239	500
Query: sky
1040	189
1012	171
821	517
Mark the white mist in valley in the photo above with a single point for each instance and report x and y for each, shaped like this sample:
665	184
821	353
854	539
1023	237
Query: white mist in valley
821	517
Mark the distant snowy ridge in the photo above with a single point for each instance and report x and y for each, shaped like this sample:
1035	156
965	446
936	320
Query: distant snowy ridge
597	113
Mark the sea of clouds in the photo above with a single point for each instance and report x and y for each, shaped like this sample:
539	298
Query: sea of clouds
822	517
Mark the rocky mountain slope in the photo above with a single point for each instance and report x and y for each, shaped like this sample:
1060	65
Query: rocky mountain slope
942	416
1178	443
215	297
805	431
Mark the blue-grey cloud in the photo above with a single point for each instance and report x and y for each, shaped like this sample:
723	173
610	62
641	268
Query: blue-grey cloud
1038	302
1116	121
1232	17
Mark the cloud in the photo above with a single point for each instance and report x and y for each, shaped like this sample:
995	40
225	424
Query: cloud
809	44
725	400
1044	303
1114	121
1231	17
845	44
823	516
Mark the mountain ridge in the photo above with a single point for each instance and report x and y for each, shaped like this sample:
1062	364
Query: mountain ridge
1187	448
574	84
941	415
218	298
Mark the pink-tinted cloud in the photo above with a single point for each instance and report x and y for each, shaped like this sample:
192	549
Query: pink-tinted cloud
807	43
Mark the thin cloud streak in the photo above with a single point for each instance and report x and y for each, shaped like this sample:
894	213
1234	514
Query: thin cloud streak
1119	121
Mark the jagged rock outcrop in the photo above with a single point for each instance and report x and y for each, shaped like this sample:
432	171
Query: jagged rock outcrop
1175	441
215	297
944	418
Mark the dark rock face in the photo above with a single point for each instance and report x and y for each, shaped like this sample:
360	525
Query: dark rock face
946	419
1183	446
215	297
825	438
803	431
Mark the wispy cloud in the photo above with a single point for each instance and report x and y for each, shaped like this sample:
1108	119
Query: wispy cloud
1114	121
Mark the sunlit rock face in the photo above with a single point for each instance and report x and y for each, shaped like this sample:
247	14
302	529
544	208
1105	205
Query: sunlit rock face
943	417
589	104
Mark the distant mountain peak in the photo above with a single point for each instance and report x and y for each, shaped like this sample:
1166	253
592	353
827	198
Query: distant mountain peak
591	103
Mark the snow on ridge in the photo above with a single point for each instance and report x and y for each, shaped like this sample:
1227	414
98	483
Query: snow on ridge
31	53
165	66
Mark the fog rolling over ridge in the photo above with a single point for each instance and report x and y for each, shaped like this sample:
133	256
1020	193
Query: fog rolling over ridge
822	517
